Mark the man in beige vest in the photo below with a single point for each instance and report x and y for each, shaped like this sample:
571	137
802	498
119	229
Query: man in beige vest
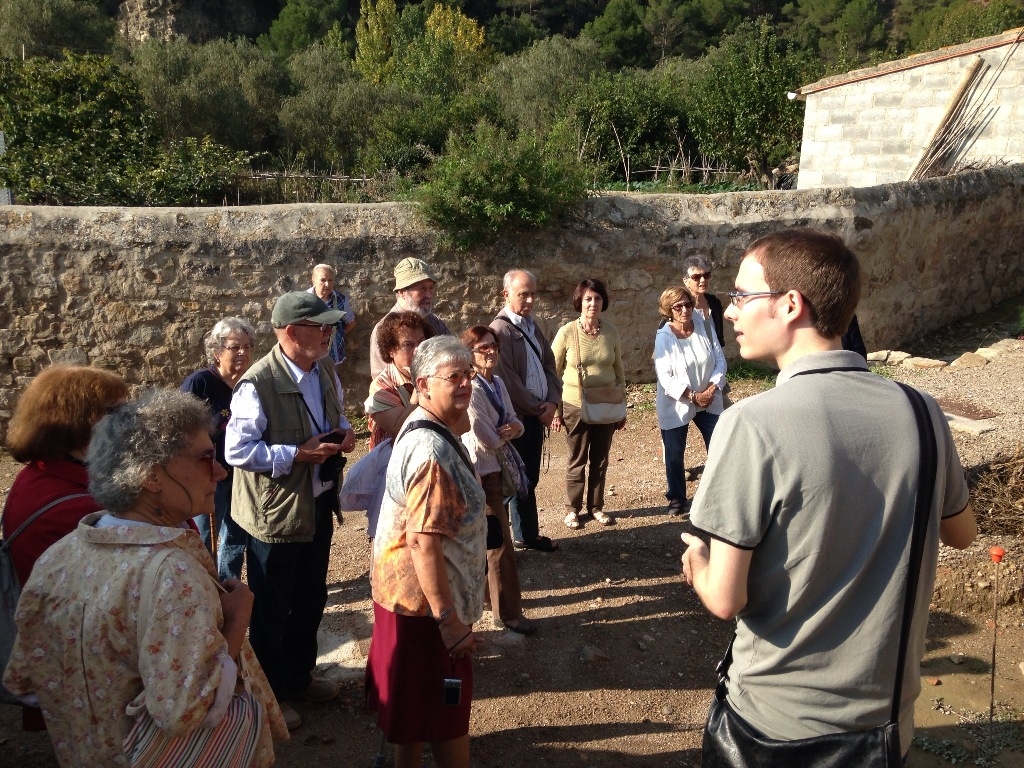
285	436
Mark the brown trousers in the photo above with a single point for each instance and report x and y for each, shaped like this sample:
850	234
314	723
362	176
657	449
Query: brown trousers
589	446
502	572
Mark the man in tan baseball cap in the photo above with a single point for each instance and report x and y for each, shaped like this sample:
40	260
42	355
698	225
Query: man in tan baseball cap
414	288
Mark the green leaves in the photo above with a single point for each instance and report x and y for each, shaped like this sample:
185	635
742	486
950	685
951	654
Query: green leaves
487	182
78	133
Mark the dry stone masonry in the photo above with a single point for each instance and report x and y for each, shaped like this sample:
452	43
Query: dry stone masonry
134	290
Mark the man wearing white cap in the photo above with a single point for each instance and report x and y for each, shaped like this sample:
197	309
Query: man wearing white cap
414	292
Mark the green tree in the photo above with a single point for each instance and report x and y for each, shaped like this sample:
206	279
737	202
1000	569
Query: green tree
737	106
487	182
328	119
665	21
445	58
621	35
534	88
79	134
46	27
229	90
845	32
375	39
626	123
965	21
301	23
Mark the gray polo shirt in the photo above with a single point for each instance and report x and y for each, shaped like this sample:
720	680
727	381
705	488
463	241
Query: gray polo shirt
818	477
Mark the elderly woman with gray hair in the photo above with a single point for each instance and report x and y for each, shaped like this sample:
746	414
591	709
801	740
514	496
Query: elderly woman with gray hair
428	569
125	638
229	354
706	306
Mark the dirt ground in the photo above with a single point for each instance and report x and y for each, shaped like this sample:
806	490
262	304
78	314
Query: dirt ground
620	672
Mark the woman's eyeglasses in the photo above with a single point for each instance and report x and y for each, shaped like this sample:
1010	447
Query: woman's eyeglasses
698	276
456	378
679	306
485	348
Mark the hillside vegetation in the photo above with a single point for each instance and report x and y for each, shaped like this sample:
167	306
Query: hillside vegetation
493	113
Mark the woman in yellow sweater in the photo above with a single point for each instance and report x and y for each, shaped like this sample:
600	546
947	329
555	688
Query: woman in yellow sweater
592	344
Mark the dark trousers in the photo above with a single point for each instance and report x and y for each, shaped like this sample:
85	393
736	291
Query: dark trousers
675	452
502	571
289	587
589	446
523	512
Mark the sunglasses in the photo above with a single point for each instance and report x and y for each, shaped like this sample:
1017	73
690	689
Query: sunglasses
679	306
697	277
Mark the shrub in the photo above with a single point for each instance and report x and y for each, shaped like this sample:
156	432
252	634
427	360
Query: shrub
487	182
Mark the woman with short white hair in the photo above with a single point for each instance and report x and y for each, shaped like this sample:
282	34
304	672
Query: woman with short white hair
428	569
229	354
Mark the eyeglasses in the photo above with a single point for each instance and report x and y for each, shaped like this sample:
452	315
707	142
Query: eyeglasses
486	348
679	306
458	377
697	277
324	327
409	346
234	349
739	298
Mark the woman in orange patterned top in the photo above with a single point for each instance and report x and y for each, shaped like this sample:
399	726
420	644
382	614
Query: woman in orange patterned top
83	651
428	570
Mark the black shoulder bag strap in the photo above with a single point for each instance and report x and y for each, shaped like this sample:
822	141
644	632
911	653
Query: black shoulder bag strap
6	543
526	338
922	515
433	426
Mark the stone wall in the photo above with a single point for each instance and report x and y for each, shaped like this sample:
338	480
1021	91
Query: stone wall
134	290
871	126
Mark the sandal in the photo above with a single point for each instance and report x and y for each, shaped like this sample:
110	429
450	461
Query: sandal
602	518
572	521
522	625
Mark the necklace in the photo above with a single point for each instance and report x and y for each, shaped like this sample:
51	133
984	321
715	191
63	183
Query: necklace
590	333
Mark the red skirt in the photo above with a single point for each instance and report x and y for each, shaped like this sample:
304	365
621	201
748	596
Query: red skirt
405	674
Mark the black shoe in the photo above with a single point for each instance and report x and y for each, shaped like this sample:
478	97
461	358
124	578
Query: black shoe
676	508
541	544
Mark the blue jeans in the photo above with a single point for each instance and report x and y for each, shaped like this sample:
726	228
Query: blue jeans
675	452
231	538
289	588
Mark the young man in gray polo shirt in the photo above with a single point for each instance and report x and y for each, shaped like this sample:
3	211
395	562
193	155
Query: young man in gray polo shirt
808	497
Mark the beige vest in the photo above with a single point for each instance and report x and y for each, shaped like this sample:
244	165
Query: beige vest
280	509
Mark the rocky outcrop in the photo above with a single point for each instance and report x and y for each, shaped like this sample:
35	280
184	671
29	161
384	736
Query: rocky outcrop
197	21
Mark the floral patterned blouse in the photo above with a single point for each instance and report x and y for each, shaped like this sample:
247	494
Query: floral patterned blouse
79	653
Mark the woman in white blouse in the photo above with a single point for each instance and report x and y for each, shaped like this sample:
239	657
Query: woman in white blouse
691	373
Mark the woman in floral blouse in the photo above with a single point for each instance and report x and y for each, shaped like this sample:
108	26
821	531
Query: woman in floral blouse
79	654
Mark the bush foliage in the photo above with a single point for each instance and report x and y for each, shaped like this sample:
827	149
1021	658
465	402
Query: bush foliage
357	99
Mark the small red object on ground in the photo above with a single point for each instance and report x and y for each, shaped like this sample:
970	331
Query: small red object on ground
997	553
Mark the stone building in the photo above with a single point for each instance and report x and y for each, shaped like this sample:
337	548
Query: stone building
956	108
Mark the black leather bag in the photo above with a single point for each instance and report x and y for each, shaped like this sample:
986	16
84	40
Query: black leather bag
730	742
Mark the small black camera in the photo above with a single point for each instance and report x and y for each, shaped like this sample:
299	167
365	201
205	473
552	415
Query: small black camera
452	695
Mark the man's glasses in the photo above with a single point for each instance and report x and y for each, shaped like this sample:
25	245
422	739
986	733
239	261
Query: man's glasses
458	377
324	327
739	298
679	306
698	276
